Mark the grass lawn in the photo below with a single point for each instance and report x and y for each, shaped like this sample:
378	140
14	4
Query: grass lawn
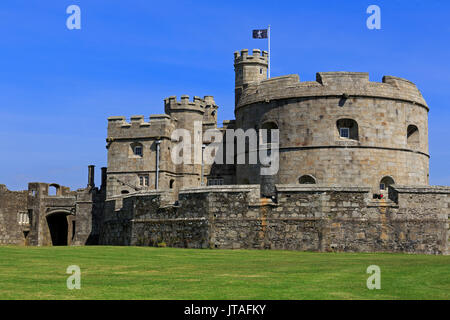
169	273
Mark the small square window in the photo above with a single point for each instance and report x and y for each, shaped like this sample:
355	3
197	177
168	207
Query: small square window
382	186
344	132
138	151
143	180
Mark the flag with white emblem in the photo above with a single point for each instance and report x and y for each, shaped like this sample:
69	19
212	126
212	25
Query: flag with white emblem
260	34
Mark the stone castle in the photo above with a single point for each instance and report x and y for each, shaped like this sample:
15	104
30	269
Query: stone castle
353	174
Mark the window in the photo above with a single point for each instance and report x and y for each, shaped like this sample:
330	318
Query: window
386	182
171	183
144	180
125	192
412	135
23	218
136	149
215	182
260	71
348	129
53	190
307	179
345	132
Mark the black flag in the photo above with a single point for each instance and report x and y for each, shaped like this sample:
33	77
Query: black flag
260	34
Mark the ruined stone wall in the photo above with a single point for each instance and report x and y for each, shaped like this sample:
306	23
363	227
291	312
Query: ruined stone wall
24	215
89	209
315	218
11	204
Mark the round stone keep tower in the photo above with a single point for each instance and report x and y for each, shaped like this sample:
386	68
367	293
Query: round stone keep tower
341	129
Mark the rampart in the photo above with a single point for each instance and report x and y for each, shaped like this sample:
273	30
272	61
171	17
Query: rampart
301	217
332	84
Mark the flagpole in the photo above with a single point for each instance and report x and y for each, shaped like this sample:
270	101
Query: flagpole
268	59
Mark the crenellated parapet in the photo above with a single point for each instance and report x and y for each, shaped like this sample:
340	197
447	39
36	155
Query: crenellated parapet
159	125
256	57
171	104
332	84
187	111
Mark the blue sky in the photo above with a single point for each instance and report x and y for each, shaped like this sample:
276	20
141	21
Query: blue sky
58	86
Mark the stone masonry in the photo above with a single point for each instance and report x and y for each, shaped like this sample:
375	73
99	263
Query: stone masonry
302	217
353	174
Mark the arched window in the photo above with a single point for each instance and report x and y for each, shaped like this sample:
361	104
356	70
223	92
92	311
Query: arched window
267	136
412	135
171	183
53	190
386	182
307	179
137	149
348	129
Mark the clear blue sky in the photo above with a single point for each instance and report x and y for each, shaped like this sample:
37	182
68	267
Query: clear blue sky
58	86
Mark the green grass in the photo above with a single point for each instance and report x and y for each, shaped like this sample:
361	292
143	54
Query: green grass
169	273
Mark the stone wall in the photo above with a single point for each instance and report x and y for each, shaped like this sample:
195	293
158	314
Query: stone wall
315	218
33	217
125	168
12	203
306	114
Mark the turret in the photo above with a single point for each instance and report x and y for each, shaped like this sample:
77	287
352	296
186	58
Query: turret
249	69
186	111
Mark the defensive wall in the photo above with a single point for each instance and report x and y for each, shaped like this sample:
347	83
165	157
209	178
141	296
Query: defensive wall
300	217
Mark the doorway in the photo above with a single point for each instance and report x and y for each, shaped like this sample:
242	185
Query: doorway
58	226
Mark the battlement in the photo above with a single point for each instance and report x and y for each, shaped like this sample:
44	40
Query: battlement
197	104
158	125
399	82
328	78
257	57
121	121
332	84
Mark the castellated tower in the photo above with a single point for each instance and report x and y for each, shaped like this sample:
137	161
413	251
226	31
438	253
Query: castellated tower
249	69
341	129
194	116
139	151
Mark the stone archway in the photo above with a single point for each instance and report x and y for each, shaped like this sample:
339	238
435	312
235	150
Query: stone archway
59	228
